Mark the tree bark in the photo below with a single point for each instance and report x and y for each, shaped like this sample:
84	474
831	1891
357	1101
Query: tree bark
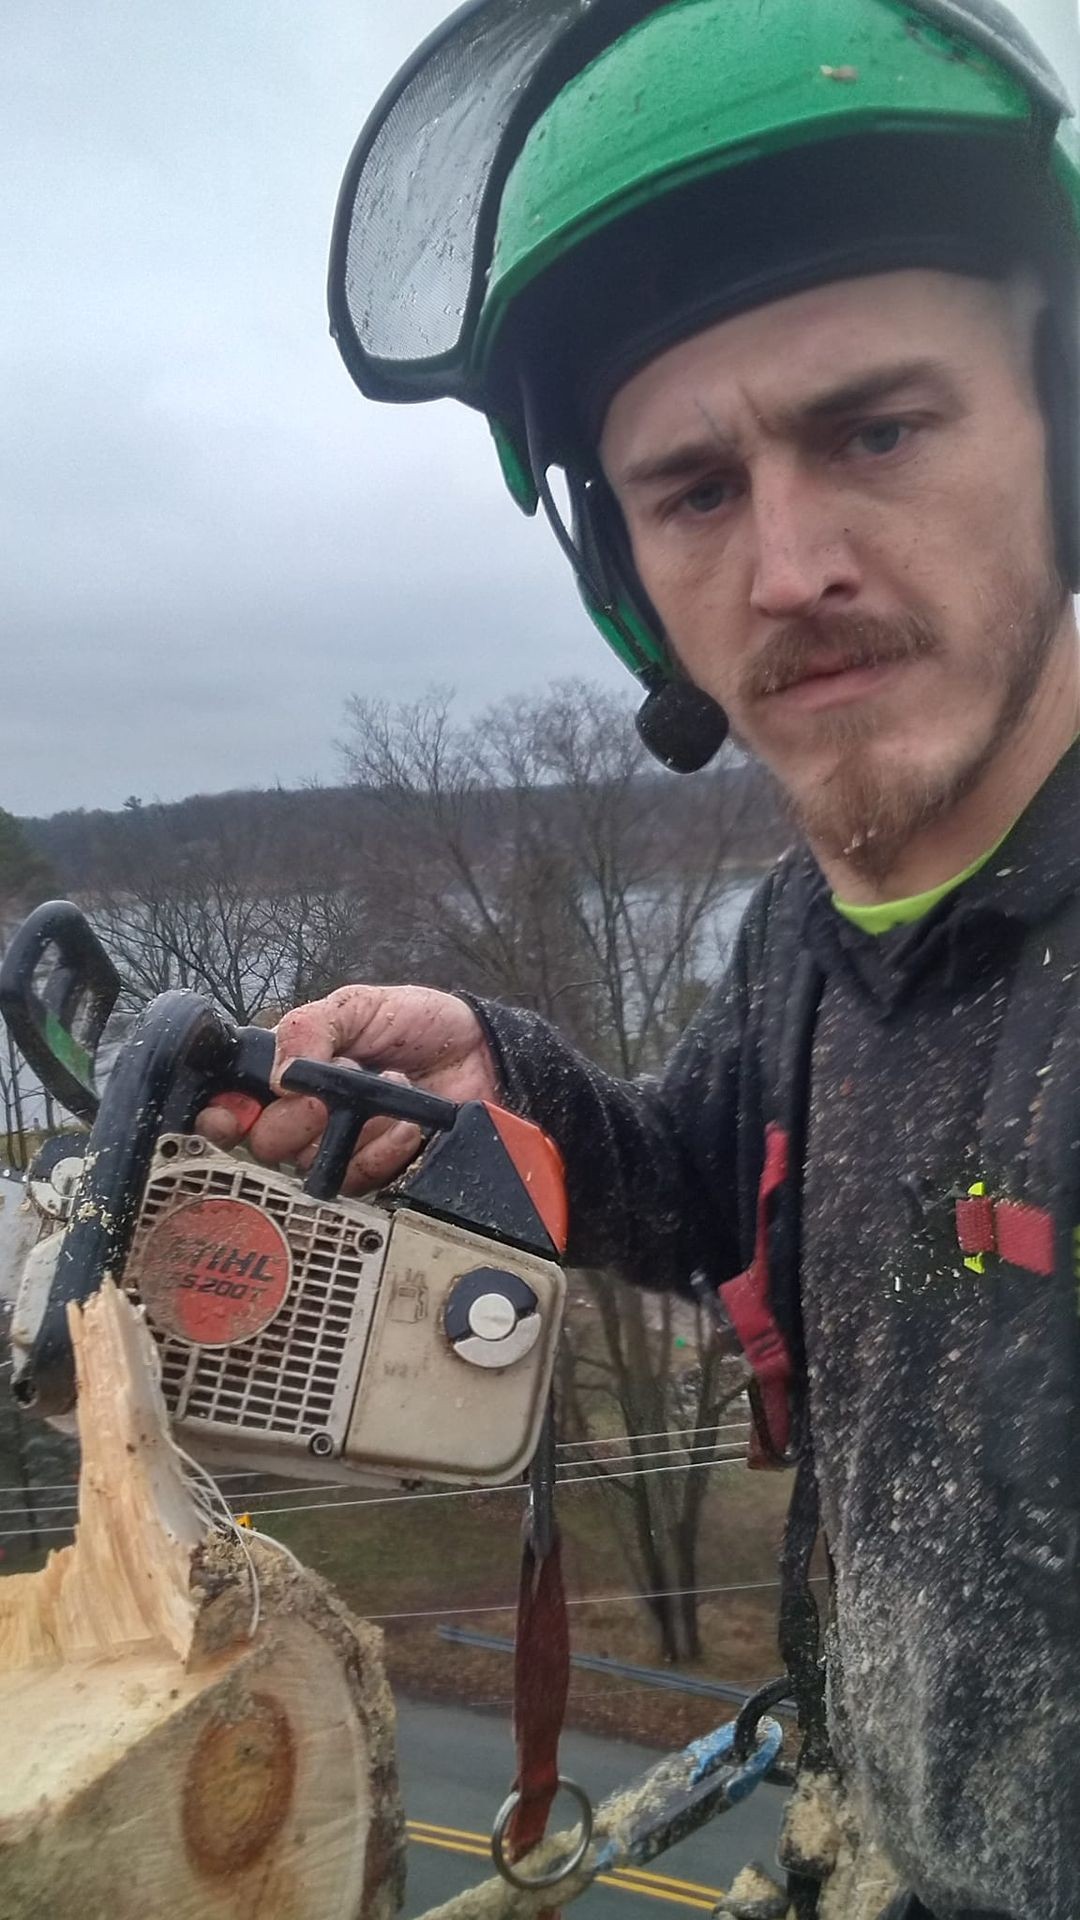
189	1733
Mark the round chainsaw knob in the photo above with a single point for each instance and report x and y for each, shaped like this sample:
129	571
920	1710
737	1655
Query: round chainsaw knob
54	1174
491	1317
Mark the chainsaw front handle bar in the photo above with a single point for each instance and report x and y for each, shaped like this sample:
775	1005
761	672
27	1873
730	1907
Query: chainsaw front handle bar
56	1010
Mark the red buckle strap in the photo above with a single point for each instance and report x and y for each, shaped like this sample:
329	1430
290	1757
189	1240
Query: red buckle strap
541	1685
746	1298
975	1225
1021	1234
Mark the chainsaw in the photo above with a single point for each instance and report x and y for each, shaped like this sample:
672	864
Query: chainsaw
403	1337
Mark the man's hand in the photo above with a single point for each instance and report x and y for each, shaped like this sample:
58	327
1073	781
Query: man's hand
410	1033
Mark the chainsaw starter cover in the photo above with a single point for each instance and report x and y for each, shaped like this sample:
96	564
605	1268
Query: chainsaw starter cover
214	1272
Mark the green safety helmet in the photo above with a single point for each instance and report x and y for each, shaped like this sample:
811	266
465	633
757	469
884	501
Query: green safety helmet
553	192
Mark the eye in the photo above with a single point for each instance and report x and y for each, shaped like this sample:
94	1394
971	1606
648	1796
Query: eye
707	497
879	437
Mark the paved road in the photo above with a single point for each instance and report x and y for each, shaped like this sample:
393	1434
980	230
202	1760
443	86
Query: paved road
455	1768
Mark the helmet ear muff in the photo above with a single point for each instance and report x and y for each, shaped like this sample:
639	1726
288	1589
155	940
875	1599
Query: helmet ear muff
600	534
1057	377
682	726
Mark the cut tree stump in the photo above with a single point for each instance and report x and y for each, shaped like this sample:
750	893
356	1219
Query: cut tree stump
162	1759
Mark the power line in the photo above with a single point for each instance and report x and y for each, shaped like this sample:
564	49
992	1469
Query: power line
442	1493
602	1462
683	1434
71	1506
593	1600
71	1486
682	1437
465	1493
329	1486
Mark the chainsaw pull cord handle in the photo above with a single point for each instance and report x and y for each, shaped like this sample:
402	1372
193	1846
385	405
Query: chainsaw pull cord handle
541	1686
352	1096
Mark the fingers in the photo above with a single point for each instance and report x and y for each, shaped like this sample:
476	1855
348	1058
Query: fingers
385	1148
417	1034
231	1117
287	1128
338	1027
290	1130
416	1031
383	1156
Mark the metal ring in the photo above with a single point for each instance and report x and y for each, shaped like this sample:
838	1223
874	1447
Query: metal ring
557	1874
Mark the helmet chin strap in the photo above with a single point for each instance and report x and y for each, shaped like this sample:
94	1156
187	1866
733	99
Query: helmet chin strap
681	725
1058	384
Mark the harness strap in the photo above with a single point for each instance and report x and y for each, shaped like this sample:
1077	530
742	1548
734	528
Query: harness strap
747	1300
541	1663
800	1621
1016	1232
1028	1145
801	1651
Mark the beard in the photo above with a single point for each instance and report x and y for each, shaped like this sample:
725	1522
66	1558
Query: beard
866	813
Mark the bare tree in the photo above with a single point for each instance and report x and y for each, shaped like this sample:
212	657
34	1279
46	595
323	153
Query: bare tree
253	918
549	864
673	1404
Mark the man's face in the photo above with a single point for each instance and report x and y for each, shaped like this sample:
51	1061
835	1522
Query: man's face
838	506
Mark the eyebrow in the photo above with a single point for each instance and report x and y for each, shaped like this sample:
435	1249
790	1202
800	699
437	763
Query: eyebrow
836	403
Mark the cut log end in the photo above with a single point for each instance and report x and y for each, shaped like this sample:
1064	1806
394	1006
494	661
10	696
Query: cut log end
161	1759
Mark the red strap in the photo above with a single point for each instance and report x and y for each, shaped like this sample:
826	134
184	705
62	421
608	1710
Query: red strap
747	1301
541	1684
1025	1235
975	1225
1016	1232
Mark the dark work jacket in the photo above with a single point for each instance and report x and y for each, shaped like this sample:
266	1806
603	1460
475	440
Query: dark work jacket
943	1397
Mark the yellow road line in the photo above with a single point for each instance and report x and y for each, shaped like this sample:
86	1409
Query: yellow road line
651	1886
635	1873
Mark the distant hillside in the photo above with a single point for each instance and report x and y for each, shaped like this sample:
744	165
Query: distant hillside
88	850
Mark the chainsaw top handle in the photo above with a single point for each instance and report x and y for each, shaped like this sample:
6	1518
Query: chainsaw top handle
352	1096
57	990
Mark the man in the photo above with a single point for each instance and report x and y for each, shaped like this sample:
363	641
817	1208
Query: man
788	289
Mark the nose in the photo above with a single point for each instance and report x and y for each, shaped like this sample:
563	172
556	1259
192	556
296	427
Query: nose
802	562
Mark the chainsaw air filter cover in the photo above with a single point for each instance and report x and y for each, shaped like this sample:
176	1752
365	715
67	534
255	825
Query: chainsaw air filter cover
301	1335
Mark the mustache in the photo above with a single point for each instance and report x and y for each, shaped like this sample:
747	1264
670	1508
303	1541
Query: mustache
835	645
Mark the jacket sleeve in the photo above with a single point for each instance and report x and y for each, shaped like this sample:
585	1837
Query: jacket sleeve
652	1165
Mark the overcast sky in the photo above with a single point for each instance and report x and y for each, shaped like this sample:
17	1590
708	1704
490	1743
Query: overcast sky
208	540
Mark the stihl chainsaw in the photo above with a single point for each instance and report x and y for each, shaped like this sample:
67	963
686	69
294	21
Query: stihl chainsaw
406	1337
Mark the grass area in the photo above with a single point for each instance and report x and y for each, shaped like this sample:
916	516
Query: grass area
445	1558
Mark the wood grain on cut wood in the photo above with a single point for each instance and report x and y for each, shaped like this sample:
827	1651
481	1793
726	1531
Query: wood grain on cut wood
161	1761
